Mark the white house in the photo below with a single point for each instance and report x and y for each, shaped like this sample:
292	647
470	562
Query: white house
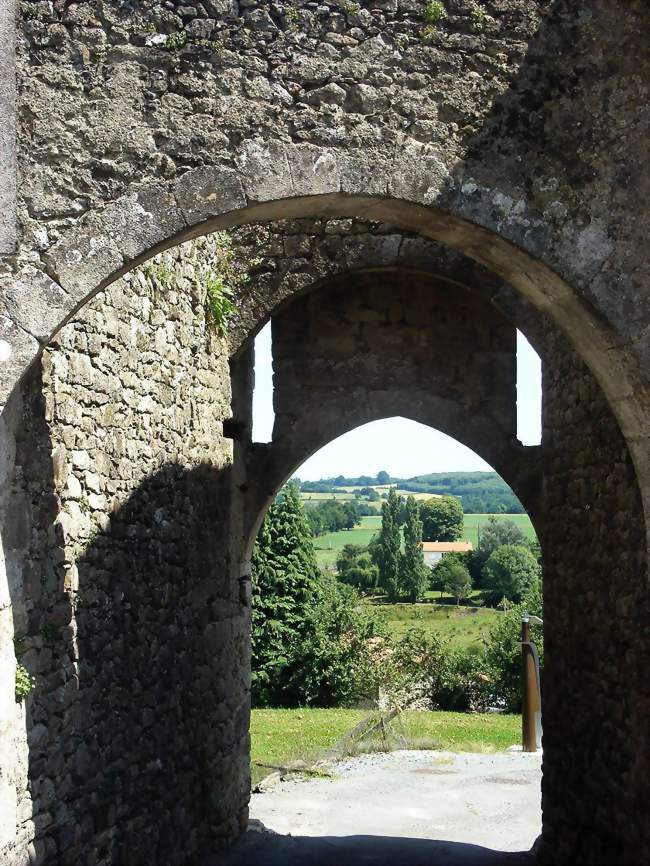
434	550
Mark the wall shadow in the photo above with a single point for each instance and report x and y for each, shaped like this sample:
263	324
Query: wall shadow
270	849
138	645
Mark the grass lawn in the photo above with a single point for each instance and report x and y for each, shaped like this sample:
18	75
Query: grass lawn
279	736
461	626
473	521
457	732
328	545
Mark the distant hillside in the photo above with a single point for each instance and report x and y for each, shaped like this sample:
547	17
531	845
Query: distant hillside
479	492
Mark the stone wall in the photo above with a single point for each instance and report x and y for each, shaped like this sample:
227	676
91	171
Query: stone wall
596	612
125	601
379	343
139	120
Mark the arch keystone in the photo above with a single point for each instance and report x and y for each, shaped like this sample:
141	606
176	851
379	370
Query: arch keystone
208	191
265	170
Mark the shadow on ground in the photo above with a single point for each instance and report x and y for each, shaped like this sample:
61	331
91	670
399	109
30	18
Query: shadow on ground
260	848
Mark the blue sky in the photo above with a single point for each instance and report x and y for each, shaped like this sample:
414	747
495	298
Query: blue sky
403	448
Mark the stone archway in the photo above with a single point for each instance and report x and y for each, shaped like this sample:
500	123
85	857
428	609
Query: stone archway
308	181
368	344
515	136
556	806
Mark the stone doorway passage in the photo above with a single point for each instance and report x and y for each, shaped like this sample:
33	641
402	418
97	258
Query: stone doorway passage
133	494
383	800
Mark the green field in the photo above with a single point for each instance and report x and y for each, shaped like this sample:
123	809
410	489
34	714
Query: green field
327	546
280	736
323	497
346	494
461	626
473	521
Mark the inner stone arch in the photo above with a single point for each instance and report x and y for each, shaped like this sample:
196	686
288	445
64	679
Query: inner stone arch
372	344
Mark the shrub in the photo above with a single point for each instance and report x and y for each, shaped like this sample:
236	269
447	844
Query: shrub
495	533
340	659
443	678
434	12
356	568
24	683
220	305
477	19
509	573
176	41
451	575
502	654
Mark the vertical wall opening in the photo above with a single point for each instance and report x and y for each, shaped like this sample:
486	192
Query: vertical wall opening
263	414
529	393
336	611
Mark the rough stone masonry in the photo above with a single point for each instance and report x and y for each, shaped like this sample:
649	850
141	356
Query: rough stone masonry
496	149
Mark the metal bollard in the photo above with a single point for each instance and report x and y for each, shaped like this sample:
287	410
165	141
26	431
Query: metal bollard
531	704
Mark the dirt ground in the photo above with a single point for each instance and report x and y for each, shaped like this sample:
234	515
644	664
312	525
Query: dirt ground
408	808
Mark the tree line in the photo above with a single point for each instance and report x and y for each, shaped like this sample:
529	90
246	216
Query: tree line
478	492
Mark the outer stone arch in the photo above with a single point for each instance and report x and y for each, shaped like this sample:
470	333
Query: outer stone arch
558	766
282	180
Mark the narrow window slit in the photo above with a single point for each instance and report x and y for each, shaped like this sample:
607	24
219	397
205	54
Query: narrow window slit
263	414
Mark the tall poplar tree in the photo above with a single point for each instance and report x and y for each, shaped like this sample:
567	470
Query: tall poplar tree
386	549
414	573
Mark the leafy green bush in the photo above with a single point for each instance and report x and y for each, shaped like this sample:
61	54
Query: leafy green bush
176	41
222	285
452	576
494	534
220	305
477	18
433	672
502	652
337	663
356	568
509	573
24	683
434	12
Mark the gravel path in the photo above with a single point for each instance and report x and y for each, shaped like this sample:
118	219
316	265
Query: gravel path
405	808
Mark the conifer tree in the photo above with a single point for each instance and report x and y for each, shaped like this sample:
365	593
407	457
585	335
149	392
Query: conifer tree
414	573
284	579
386	549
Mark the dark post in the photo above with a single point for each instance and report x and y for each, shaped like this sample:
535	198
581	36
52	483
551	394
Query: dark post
529	690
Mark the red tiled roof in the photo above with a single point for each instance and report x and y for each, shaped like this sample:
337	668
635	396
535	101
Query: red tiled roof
447	546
